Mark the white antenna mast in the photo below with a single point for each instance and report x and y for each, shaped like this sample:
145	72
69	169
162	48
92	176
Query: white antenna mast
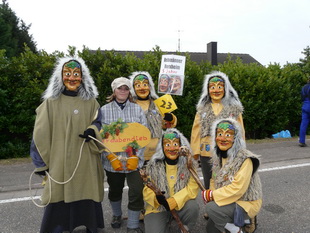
179	40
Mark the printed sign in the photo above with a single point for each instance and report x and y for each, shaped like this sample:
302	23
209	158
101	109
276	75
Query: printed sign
132	132
171	76
165	104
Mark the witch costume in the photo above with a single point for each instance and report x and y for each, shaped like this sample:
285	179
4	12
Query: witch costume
235	187
155	122
58	149
209	110
172	177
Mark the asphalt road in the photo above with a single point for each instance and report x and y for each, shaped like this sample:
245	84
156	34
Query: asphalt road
284	173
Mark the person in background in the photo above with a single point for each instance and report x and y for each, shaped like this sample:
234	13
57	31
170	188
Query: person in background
61	147
305	113
218	100
168	171
117	166
235	193
144	94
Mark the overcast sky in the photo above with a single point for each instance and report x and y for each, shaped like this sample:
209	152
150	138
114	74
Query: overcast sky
271	31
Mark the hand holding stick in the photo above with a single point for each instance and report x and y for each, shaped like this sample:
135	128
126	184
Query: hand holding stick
157	191
184	151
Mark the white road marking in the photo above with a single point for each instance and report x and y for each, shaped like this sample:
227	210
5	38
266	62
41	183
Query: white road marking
126	187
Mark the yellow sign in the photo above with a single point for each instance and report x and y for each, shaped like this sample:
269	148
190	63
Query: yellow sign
134	132
165	104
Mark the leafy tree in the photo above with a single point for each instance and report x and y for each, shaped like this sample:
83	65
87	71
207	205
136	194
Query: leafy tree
305	62
14	32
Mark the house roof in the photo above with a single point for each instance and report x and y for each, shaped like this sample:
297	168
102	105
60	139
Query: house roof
198	56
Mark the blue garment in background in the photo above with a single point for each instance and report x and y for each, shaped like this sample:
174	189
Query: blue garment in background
305	112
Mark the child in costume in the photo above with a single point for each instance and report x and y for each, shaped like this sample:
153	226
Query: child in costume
68	115
218	100
144	94
117	166
235	192
169	173
305	113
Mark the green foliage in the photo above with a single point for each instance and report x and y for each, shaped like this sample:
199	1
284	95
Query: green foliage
22	82
270	95
14	33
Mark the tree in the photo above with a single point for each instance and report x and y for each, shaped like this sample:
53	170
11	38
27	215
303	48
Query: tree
305	62
14	33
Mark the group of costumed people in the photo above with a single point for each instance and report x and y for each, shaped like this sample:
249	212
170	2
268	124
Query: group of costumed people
67	150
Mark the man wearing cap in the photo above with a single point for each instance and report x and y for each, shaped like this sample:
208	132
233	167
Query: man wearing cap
121	106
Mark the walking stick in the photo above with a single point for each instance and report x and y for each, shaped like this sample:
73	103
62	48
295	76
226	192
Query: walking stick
184	151
157	191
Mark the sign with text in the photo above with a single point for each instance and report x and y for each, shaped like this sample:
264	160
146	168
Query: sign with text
165	104
171	76
134	132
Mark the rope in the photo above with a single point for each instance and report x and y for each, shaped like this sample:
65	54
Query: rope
50	178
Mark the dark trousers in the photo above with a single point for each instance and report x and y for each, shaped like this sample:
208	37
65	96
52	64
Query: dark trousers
116	183
206	169
305	120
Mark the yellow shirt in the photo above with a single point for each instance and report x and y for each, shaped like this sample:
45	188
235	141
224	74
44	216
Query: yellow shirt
233	192
150	149
199	144
190	191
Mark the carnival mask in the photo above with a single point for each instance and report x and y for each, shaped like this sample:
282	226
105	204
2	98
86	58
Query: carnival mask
72	75
216	89
171	145
175	84
164	83
225	134
142	86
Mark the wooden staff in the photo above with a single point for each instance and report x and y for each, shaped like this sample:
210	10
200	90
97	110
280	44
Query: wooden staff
152	186
184	151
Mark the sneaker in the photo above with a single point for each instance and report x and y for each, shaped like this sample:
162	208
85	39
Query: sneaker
302	144
134	230
116	221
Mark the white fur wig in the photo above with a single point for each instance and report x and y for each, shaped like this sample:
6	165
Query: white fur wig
153	94
87	90
239	142
159	154
230	96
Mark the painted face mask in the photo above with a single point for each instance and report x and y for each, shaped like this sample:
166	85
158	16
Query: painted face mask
142	86
225	134
216	88
164	83
171	145
175	84
72	75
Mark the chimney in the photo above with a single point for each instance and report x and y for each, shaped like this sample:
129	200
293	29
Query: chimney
212	53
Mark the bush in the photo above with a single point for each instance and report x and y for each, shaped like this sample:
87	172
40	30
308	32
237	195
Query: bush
270	95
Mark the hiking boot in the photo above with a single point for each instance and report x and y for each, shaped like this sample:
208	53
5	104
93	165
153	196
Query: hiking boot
302	144
116	221
134	230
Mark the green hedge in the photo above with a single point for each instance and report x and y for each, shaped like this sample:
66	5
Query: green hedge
270	95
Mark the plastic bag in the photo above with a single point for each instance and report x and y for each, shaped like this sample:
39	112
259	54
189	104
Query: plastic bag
282	134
